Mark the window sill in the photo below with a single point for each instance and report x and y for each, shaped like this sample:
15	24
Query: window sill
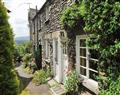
91	85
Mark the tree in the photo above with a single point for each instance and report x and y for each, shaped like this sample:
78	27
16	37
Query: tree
9	83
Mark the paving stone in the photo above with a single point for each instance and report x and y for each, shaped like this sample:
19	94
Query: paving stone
56	88
30	86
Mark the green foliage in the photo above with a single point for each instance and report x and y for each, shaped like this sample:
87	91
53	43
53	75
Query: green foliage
114	88
26	59
27	70
40	77
23	48
103	20
48	73
9	83
73	14
25	92
71	82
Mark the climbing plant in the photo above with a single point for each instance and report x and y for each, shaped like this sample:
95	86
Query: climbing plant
102	19
73	14
9	84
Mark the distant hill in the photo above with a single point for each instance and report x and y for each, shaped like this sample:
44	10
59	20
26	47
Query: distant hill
20	40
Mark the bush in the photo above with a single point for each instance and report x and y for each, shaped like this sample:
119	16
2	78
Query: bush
114	88
9	83
71	82
72	15
39	77
26	59
28	70
48	73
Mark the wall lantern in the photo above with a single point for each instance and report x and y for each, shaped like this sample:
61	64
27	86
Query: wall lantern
63	37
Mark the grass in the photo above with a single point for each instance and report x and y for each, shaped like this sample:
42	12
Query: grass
25	92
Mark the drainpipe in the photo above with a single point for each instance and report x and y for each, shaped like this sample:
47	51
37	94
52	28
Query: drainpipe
37	28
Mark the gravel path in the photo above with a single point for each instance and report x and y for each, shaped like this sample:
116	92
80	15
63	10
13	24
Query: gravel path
31	87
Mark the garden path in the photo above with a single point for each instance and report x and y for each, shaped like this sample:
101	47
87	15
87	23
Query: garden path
29	85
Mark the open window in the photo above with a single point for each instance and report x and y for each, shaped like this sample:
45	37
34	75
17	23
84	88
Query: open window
87	58
87	63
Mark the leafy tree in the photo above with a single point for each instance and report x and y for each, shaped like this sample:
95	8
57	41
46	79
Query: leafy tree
9	84
23	48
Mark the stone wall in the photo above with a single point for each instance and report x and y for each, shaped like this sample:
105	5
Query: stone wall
46	26
31	14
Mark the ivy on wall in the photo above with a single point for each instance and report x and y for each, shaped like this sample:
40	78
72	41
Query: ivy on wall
72	15
102	18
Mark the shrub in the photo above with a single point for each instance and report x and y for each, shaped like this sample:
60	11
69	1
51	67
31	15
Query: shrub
71	82
39	77
28	70
48	73
72	15
114	88
9	83
26	59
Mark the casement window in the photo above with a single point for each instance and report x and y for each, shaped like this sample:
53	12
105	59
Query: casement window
86	58
34	27
56	51
39	22
64	48
47	49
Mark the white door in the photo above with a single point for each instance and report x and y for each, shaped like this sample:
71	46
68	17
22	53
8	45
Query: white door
64	62
57	60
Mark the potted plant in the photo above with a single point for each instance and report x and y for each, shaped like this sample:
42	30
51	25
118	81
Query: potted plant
71	83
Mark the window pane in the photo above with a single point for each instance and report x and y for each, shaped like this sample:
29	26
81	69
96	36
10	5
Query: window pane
94	54
82	71
56	51
82	42
93	75
83	52
83	62
93	64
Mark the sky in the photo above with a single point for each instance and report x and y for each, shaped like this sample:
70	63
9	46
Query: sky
19	14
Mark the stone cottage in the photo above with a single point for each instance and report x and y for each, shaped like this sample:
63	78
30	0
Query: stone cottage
61	48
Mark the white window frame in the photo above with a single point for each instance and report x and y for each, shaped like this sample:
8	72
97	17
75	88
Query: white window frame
47	49
87	68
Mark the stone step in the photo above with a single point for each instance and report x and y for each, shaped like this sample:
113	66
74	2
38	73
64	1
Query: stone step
56	88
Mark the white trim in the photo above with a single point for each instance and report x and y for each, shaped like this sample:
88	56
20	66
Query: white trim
87	63
93	70
88	82
86	57
77	55
94	59
83	57
83	67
